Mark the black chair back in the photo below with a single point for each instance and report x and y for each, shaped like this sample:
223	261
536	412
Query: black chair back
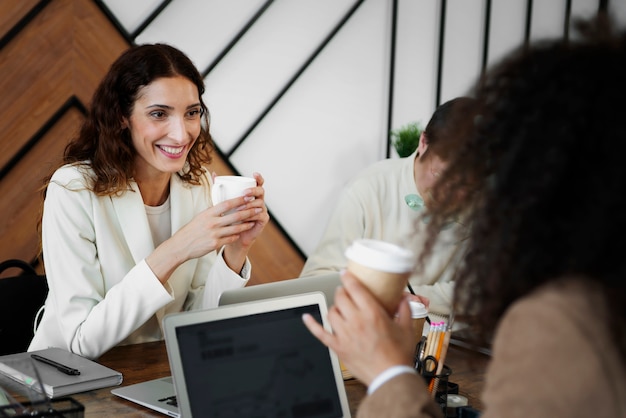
21	297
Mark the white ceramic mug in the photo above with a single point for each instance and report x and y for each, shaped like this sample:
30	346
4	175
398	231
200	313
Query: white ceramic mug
229	187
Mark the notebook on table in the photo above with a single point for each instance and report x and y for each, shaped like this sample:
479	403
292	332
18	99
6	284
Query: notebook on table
46	375
326	283
247	359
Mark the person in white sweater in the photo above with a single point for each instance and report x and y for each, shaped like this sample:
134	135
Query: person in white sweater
386	201
129	232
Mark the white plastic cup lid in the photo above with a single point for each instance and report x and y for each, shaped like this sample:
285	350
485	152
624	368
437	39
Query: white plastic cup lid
381	255
418	310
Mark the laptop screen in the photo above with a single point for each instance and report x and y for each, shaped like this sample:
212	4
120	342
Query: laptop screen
266	364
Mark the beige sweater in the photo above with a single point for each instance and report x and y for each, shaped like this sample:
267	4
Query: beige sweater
373	205
552	357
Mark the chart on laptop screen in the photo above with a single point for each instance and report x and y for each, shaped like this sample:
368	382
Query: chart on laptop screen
266	364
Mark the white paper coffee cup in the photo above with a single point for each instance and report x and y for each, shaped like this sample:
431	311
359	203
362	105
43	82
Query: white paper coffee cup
383	267
418	318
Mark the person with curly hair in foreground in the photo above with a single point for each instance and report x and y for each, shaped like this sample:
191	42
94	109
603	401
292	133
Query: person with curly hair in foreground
543	281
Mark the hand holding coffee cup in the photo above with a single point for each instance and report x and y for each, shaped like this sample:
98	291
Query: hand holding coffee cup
418	319
230	187
384	268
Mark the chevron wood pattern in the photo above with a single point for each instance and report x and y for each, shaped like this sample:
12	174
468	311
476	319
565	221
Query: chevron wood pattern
13	11
52	55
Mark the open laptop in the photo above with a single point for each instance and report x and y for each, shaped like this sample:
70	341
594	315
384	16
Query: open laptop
247	359
326	283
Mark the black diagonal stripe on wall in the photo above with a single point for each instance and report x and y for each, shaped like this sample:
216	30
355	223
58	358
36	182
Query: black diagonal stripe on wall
566	23
72	102
23	23
149	20
529	15
486	35
237	37
114	21
392	71
296	75
442	32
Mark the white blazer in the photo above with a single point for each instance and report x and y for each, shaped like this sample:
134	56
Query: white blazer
102	292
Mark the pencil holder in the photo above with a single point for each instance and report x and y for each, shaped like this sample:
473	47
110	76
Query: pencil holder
438	387
55	408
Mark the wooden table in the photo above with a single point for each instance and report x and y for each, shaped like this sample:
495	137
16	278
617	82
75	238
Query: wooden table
141	362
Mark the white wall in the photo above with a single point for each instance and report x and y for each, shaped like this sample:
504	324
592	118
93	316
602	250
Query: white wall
332	120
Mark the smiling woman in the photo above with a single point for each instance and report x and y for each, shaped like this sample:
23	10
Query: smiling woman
164	125
129	232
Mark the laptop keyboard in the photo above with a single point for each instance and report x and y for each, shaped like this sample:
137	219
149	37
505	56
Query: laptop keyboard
170	400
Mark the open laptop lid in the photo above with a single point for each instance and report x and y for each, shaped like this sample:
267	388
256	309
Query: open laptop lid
326	283
255	359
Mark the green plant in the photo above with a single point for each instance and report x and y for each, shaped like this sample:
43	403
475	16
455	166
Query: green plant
406	139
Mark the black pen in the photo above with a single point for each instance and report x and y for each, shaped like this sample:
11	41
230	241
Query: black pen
60	367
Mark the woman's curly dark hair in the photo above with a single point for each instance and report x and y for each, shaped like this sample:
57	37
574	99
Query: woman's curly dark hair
105	144
543	177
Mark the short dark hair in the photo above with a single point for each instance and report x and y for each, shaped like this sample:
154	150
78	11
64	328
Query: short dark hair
442	131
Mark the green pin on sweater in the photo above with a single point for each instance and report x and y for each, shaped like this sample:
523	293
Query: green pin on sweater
414	201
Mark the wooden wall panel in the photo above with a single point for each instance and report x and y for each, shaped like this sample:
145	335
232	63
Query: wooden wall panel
35	78
96	45
11	12
58	58
21	190
39	65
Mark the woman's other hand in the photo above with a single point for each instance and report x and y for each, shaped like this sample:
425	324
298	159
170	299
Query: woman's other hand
364	337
